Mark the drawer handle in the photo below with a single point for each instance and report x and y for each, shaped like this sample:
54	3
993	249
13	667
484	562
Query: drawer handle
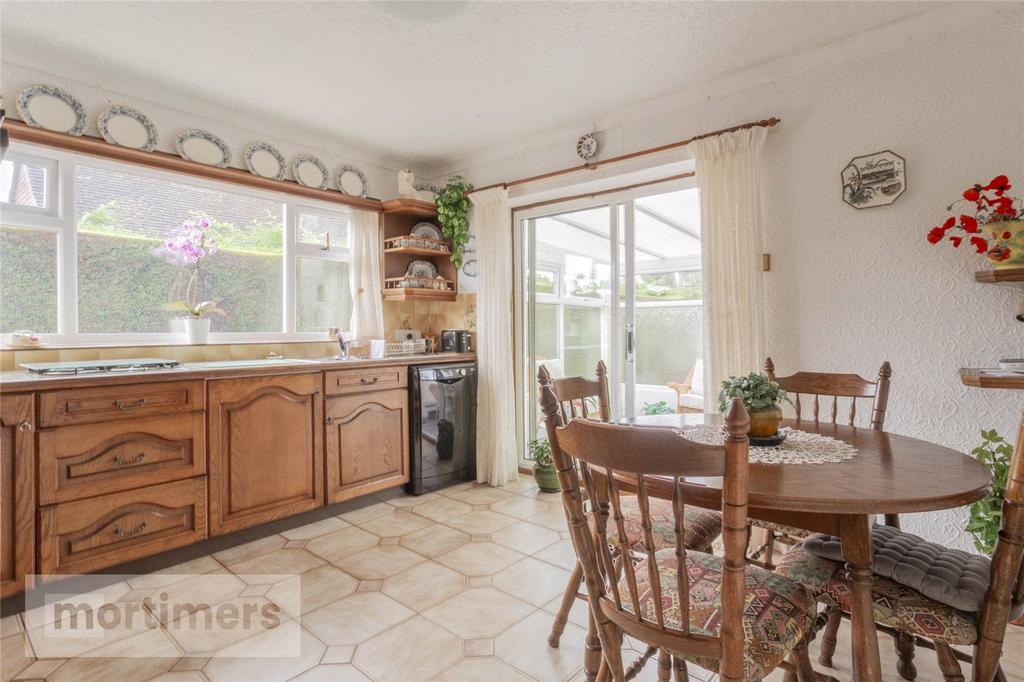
25	426
364	381
330	420
130	405
130	533
122	462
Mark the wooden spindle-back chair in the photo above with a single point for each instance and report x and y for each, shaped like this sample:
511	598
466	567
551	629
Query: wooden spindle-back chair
590	458
589	399
915	618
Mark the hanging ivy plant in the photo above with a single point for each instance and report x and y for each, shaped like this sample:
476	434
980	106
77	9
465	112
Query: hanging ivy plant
453	214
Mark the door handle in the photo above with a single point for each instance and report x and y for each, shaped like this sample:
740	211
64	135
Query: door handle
630	341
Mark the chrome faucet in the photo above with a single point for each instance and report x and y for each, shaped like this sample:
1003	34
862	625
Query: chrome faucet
344	345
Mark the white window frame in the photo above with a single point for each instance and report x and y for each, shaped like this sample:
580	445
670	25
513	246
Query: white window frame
59	217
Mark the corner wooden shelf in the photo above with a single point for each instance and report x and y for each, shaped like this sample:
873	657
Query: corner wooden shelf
1004	275
971	376
397	220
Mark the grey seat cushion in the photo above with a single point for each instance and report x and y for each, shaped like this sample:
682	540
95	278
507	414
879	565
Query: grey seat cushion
949	576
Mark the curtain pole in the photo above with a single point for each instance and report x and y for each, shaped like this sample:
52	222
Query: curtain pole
764	123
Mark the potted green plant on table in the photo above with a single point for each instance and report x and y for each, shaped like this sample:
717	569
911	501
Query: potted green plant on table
544	472
761	396
453	214
986	514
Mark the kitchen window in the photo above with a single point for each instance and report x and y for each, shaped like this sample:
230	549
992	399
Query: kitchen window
76	265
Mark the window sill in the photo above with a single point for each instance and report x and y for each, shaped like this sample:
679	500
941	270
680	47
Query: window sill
170	340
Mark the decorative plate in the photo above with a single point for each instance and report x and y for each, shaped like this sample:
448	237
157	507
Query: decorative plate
203	147
586	147
310	171
421	268
426	187
352	182
264	160
469	268
127	133
53	109
770	440
427	230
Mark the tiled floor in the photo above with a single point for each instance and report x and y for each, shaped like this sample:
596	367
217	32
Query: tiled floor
457	585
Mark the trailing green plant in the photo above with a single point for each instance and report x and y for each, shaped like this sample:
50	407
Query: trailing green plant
453	214
540	452
660	407
757	390
987	513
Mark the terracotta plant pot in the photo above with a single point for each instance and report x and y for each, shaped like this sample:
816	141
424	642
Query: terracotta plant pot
765	423
547	477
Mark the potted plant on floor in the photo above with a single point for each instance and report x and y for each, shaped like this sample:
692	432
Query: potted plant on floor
186	250
986	514
544	472
761	396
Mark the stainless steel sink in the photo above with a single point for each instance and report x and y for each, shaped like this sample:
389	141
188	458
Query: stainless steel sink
264	362
338	358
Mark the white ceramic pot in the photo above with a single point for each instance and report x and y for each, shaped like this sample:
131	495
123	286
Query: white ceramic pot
197	331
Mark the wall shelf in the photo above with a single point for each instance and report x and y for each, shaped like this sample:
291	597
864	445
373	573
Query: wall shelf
1004	275
397	220
974	377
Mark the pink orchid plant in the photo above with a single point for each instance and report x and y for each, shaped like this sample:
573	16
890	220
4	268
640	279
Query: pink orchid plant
186	250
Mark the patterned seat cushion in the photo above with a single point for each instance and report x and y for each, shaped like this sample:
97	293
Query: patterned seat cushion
895	605
778	611
700	528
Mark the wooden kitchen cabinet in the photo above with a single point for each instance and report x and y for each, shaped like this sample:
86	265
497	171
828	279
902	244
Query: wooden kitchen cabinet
266	449
17	492
367	443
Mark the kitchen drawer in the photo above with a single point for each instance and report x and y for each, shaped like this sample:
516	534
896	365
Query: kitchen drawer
105	403
95	459
359	380
87	535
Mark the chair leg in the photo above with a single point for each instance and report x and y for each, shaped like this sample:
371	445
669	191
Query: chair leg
905	651
568	598
801	660
948	664
1000	675
769	550
682	673
664	666
592	658
828	640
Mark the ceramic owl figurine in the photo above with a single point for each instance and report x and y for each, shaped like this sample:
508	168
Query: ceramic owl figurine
406	181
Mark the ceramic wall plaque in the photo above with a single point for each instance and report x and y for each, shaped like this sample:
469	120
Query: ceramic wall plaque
49	107
874	180
128	127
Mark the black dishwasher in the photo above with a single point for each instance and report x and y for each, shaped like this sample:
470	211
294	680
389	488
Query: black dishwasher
443	428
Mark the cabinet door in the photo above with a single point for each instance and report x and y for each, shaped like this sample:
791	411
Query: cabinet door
367	443
17	493
266	449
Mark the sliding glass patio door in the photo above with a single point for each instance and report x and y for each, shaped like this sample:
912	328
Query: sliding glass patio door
617	279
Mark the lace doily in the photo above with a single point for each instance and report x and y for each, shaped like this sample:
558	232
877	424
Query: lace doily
800	447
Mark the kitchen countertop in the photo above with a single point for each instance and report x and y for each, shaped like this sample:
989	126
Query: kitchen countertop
22	380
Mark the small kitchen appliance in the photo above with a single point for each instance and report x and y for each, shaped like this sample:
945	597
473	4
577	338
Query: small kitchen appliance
456	341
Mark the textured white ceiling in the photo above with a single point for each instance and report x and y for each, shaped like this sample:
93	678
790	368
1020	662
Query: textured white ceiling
421	81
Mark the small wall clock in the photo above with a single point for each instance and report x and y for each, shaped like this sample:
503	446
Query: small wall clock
874	180
586	147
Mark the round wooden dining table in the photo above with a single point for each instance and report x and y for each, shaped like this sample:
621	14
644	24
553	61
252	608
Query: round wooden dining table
890	474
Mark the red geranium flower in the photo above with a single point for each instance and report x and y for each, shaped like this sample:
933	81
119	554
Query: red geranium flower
979	244
999	184
973	194
936	235
956	241
969	224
